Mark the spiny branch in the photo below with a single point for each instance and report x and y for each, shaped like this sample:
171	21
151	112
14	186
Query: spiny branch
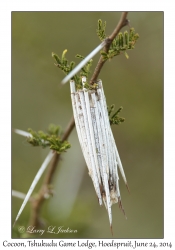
37	201
122	22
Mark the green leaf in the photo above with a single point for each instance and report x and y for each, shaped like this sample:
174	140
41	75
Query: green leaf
64	65
51	139
123	41
114	118
126	55
101	30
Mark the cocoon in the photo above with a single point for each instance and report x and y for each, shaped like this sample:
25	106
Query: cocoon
97	143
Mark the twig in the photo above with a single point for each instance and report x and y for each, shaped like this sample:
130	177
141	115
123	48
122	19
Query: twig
36	203
122	22
83	62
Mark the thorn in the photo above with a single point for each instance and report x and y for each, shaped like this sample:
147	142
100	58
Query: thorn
121	207
127	187
14	223
111	229
101	189
83	62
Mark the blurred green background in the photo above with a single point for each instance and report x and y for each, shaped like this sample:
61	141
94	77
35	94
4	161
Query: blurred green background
38	100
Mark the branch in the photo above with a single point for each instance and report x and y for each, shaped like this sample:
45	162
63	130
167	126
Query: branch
37	202
122	22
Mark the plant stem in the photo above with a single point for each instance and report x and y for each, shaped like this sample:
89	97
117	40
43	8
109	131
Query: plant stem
122	22
37	201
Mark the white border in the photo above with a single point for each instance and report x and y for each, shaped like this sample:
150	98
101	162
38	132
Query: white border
5	95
